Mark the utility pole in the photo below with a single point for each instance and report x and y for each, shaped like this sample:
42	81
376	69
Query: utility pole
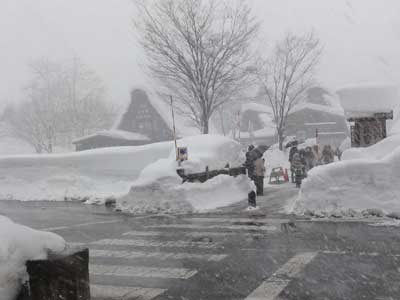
173	126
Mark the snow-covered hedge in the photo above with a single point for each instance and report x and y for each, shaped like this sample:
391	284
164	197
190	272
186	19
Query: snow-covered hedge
17	245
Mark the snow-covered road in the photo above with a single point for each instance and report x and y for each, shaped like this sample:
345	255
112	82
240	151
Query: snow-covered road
226	254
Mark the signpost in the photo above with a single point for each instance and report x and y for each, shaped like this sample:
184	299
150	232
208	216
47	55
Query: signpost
181	153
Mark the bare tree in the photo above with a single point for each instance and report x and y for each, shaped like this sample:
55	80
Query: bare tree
199	50
287	74
62	103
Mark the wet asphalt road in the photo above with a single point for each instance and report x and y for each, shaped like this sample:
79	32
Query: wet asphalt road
227	254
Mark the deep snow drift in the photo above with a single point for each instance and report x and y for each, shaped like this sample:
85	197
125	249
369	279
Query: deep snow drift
17	245
92	174
159	188
366	179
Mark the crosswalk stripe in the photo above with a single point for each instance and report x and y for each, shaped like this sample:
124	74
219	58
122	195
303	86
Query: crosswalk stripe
130	271
192	234
79	225
274	285
207	226
151	243
157	255
126	293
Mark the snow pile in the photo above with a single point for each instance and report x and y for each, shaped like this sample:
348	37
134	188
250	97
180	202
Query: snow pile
168	195
368	98
17	245
159	188
98	173
366	179
377	151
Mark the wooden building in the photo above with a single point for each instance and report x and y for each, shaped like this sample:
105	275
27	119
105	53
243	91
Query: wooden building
369	130
147	119
319	111
110	138
367	107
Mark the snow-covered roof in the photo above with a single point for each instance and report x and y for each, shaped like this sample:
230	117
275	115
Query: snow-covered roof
317	107
257	107
261	133
265	115
184	126
117	134
369	98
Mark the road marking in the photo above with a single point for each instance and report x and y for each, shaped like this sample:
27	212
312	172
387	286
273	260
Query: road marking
78	225
152	243
237	220
156	255
195	234
359	253
107	292
274	285
225	227
76	244
130	271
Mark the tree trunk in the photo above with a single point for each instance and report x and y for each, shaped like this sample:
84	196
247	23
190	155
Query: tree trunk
280	140
205	126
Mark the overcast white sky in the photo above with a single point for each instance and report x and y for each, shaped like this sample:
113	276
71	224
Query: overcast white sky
361	38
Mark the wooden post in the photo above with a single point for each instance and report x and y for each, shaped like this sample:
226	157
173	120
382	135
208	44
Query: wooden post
173	127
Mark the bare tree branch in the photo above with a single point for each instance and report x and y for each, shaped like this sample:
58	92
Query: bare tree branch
287	74
62	103
199	50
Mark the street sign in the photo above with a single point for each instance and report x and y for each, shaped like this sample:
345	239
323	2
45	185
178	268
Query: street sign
182	154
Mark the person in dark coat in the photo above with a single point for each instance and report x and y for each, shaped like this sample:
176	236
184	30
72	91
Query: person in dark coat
292	152
338	153
298	169
309	158
328	155
249	165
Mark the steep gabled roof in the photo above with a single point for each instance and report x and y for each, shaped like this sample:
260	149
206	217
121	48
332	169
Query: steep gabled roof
184	126
320	99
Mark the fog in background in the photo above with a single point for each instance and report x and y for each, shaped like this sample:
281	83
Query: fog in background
361	39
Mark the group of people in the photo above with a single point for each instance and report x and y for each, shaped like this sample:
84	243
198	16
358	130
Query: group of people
303	160
255	165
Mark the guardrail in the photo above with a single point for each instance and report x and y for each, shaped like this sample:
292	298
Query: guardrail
207	174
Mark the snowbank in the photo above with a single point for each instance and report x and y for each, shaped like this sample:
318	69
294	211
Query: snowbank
159	188
17	245
377	151
95	173
366	179
168	195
